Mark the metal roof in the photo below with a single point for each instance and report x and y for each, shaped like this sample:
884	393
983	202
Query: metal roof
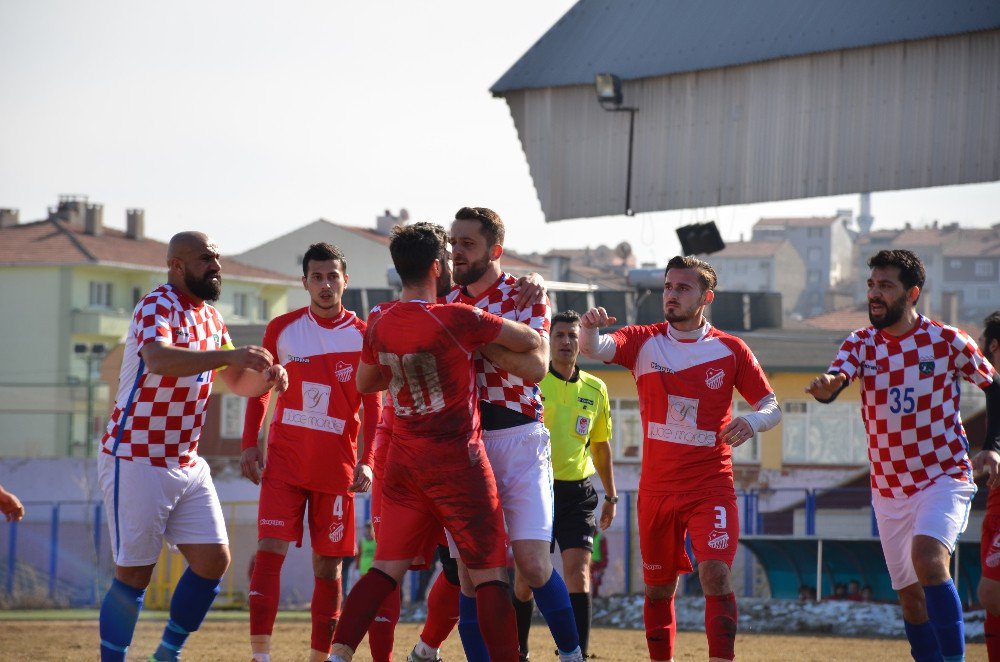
643	38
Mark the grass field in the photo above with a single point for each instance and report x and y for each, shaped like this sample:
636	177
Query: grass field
72	635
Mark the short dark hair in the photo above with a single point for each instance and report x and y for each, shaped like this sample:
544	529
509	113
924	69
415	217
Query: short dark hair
490	223
566	317
414	249
706	274
991	330
322	252
911	269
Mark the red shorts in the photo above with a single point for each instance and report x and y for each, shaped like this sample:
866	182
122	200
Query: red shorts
417	504
711	518
331	516
989	546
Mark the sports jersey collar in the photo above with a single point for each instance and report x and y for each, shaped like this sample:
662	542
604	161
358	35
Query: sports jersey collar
888	337
329	323
465	297
701	336
185	300
575	377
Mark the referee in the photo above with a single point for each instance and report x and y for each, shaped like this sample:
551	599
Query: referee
578	416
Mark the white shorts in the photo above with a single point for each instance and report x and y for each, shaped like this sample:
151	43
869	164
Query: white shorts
147	504
522	463
940	511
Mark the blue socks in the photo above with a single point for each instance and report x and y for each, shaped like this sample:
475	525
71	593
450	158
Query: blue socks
119	614
553	602
468	630
923	642
192	599
944	608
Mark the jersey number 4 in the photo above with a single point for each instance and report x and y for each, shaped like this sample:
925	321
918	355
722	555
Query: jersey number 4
417	372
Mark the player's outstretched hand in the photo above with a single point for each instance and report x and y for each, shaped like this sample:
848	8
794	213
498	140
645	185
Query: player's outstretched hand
988	461
607	515
362	479
530	290
825	387
737	432
251	464
597	318
276	377
251	357
11	506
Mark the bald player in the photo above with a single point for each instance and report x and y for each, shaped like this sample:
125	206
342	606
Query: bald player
155	486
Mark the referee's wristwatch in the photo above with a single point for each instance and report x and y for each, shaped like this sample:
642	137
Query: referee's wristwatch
611	499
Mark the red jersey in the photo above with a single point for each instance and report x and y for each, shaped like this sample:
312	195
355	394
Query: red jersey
426	350
910	402
496	385
685	400
313	439
157	418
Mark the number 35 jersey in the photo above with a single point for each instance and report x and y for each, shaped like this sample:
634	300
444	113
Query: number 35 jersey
910	402
427	351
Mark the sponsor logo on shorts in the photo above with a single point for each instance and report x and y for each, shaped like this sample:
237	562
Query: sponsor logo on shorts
297	359
344	371
718	540
660	368
271	522
336	532
651	566
714	377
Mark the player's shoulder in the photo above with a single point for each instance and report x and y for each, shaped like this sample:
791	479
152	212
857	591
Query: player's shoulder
281	321
643	331
730	340
160	300
940	329
592	381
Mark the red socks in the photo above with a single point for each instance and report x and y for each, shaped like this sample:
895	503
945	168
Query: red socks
442	612
361	606
497	622
720	625
381	633
661	627
325	612
992	630
265	592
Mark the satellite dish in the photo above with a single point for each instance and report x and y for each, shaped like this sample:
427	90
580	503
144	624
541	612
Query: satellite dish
623	250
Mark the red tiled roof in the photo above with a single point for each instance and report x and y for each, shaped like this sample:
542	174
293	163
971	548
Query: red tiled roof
749	249
799	222
56	242
845	319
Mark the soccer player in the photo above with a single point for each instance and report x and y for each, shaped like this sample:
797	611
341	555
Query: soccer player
11	506
686	372
155	486
312	446
437	472
909	367
988	459
515	438
578	417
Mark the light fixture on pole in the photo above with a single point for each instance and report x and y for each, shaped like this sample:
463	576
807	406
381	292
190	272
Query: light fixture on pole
609	95
91	354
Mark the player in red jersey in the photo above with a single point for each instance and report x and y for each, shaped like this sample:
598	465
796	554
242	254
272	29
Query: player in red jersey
686	372
910	369
155	486
437	473
988	459
311	449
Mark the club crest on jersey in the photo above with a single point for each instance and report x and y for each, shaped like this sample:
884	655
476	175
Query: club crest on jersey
215	338
926	366
714	377
718	540
336	532
344	371
582	425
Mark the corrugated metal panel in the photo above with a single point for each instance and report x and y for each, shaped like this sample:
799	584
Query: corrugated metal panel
905	115
644	38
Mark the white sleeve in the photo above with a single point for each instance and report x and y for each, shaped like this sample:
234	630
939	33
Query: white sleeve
768	414
595	346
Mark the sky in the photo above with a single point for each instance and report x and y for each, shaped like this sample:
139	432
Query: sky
249	119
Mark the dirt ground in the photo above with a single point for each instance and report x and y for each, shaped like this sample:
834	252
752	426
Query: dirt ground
39	641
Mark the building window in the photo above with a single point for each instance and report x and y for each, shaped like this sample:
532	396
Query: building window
814	255
749	451
814	276
240	304
814	232
985	294
136	295
814	433
955	264
263	310
984	269
626	429
233	409
100	294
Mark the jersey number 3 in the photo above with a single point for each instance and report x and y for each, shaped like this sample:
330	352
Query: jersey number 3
418	372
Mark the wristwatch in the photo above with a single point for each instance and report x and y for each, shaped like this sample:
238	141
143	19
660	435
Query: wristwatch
611	499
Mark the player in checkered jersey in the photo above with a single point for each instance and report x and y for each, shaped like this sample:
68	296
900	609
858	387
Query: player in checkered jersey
686	372
155	486
988	460
515	438
909	367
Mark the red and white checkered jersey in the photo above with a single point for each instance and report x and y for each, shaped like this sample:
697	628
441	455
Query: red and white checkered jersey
157	419
427	350
313	439
909	402
496	385
685	401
